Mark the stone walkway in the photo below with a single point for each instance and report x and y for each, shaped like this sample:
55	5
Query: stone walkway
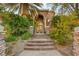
40	45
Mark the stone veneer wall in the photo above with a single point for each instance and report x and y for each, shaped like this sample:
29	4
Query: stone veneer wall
2	46
76	42
2	41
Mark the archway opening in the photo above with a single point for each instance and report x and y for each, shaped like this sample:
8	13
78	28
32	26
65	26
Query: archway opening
39	24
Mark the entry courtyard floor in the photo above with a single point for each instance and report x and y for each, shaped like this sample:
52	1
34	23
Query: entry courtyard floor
40	45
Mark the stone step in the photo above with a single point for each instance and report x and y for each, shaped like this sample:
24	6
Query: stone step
41	41
40	36
38	44
44	44
39	48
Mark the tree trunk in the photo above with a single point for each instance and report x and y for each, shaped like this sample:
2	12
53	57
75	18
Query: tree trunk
77	9
24	9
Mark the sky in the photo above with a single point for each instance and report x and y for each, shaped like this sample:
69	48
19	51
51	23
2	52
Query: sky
48	7
45	6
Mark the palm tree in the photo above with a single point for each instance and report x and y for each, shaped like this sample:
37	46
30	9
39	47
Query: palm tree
22	8
73	7
2	9
63	8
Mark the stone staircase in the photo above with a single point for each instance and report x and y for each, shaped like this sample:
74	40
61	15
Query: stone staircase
39	42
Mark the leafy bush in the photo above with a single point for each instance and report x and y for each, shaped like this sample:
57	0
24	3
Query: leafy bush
26	35
61	29
10	38
21	24
55	20
16	25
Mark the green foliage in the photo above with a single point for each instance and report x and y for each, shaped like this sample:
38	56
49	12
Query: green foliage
75	19
31	21
16	25
10	38
55	20
61	29
1	8
26	35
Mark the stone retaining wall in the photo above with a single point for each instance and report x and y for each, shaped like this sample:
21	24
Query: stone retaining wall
2	46
15	47
76	42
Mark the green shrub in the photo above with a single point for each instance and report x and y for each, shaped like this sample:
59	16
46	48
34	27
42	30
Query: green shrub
61	29
10	38
26	35
55	20
16	26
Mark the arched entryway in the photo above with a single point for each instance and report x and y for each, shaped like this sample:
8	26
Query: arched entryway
39	24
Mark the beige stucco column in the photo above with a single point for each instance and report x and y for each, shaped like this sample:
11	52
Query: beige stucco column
45	22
